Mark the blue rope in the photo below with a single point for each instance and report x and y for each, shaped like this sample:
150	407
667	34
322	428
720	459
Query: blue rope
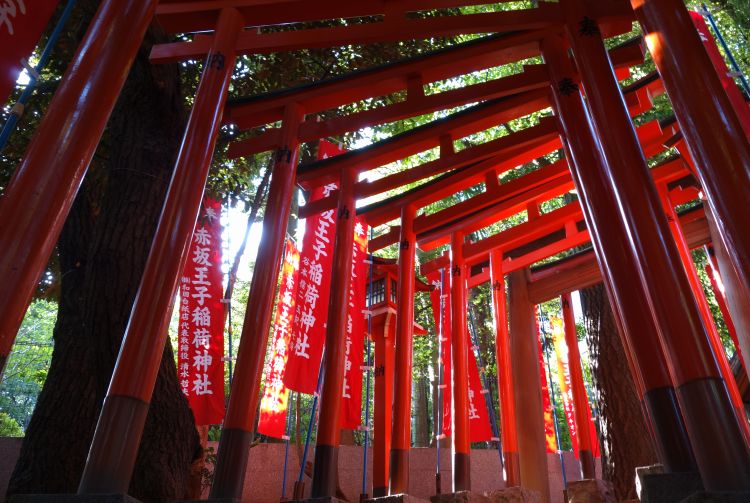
733	62
483	375
286	448
15	115
311	422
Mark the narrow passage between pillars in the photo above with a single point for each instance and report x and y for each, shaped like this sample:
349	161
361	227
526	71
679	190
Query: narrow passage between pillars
506	386
618	264
236	434
578	388
460	435
401	433
716	435
109	466
528	391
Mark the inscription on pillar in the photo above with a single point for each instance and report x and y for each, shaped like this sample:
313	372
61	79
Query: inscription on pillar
456	271
284	154
588	27
216	60
405	244
567	86
344	213
380	371
498	285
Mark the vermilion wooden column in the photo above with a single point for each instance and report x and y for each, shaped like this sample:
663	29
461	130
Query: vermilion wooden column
401	437
715	431
325	472
618	263
381	445
700	297
237	431
460	434
504	372
717	285
713	131
528	391
38	198
113	450
580	399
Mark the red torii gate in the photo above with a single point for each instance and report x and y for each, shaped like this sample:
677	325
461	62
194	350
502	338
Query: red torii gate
618	199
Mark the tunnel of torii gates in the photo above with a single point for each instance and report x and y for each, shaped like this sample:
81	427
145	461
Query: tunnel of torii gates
641	246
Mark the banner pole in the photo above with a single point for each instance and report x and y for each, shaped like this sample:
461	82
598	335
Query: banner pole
17	110
299	486
364	494
286	447
439	414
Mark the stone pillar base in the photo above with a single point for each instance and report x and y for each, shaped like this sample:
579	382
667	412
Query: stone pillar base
590	491
510	495
214	500
655	486
72	498
324	499
396	498
717	497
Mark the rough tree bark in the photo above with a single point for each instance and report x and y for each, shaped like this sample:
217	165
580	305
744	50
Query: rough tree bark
625	441
102	253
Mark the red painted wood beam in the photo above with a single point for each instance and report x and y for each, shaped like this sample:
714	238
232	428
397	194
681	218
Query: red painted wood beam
422	138
382	80
533	77
393	27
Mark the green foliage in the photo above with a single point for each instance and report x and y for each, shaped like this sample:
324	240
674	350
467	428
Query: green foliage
9	427
27	365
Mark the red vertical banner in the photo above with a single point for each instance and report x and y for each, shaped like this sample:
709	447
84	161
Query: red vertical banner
201	329
351	403
275	402
549	420
725	76
22	23
479	423
563	370
311	310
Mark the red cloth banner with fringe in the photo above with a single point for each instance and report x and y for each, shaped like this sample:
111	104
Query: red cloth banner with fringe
201	328
275	402
22	23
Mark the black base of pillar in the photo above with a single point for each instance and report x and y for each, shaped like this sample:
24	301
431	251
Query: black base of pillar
588	465
117	437
231	464
72	498
721	497
379	492
718	441
654	486
671	440
461	472
399	471
324	499
325	471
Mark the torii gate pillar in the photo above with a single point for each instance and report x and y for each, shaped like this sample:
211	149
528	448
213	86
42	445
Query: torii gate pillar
709	415
529	409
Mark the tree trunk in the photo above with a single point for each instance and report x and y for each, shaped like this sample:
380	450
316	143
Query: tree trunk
102	252
421	412
625	440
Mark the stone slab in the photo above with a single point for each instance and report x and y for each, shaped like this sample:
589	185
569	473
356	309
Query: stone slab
396	498
590	491
718	497
510	495
72	498
654	487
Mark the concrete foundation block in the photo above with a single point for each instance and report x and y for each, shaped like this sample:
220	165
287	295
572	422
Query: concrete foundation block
591	491
655	486
396	498
72	498
717	497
